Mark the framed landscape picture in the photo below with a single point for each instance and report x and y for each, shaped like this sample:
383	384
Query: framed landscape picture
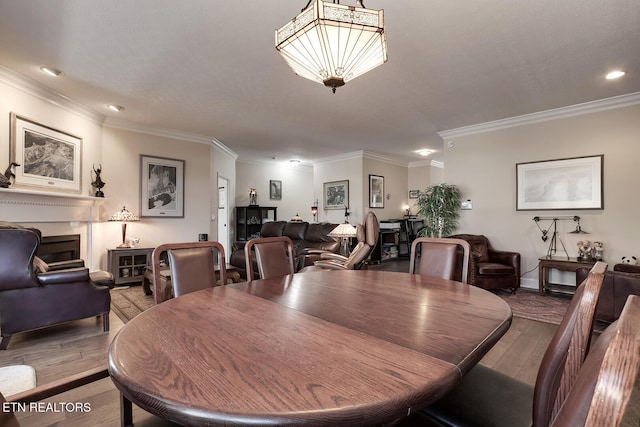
572	183
336	194
376	191
413	194
162	187
48	158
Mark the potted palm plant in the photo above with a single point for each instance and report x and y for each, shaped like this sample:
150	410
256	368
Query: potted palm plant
440	206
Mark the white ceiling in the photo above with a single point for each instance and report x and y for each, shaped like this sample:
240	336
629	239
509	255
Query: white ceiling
210	68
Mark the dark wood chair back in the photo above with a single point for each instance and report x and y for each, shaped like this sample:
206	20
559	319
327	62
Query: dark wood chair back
439	257
274	256
192	267
606	381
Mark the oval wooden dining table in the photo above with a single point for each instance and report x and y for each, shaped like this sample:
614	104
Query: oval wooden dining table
318	348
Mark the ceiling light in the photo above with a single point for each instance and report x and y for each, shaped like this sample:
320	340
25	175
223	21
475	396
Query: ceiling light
294	161
51	71
116	108
424	152
332	44
615	75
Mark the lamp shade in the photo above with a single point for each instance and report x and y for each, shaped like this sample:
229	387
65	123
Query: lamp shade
343	231
331	43
124	216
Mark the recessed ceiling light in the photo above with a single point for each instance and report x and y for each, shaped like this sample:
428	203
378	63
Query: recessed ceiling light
116	108
51	71
615	75
424	152
294	161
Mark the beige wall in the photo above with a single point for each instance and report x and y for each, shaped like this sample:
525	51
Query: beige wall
484	166
395	187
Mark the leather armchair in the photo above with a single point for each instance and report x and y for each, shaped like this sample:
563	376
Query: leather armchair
490	268
32	300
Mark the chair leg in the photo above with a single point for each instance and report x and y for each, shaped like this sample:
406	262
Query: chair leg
126	412
105	322
4	342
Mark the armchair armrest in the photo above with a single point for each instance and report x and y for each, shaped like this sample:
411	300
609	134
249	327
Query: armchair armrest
330	265
74	275
505	257
333	256
65	265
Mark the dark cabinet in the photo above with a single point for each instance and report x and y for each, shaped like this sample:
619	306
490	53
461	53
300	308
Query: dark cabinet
249	220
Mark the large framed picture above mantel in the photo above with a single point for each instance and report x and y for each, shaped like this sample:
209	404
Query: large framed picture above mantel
162	187
49	159
571	183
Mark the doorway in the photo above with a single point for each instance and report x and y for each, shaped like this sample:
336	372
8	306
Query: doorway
223	215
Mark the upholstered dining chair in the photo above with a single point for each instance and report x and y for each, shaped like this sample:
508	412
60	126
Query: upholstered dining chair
274	256
439	257
191	265
367	236
489	398
606	380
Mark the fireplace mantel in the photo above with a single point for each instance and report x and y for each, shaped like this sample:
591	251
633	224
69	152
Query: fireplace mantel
20	205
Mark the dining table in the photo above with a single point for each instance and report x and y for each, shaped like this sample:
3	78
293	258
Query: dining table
320	348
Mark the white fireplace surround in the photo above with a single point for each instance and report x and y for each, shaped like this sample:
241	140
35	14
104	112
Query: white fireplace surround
58	211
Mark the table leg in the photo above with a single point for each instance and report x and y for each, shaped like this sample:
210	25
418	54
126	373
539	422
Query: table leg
541	281
126	412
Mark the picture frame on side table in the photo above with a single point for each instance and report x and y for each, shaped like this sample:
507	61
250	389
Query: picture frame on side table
161	187
376	191
275	190
336	194
49	159
571	183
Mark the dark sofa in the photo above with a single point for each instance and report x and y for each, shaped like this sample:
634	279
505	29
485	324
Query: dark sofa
304	236
618	284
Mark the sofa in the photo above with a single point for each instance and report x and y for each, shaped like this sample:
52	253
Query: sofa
618	284
304	235
32	297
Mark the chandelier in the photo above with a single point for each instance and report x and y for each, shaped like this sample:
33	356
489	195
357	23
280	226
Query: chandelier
332	44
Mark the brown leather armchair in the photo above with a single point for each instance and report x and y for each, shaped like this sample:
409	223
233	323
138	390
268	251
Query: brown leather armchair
490	268
33	300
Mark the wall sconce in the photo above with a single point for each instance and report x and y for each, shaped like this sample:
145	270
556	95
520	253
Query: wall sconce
314	210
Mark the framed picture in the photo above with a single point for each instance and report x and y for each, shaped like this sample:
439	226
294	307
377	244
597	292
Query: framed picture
161	187
275	190
376	191
336	194
413	194
49	158
573	183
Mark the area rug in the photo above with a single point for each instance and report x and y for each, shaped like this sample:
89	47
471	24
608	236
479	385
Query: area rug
529	305
128	302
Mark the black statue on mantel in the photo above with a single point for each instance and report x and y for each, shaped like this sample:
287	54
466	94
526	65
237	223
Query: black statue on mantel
98	182
5	180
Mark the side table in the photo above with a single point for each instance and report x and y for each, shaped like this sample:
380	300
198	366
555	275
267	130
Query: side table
562	264
127	265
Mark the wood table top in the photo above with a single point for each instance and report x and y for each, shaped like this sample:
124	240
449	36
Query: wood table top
317	348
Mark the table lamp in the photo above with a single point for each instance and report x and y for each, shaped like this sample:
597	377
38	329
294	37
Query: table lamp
124	216
345	232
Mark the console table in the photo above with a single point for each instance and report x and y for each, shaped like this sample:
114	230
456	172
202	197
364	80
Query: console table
563	264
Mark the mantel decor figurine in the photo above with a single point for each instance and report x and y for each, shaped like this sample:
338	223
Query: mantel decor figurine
253	197
5	180
98	182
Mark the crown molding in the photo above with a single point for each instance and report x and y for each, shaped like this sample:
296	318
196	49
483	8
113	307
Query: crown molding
46	94
277	163
170	134
362	154
543	116
421	163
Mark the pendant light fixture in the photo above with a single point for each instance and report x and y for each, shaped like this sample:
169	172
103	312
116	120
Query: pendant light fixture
331	43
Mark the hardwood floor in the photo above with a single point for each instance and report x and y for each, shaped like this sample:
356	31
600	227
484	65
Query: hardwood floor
76	346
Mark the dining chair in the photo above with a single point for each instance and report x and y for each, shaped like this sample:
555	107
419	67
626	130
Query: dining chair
486	397
438	257
273	255
46	391
191	265
603	388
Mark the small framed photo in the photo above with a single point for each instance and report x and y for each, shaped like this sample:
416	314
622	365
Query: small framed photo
336	194
376	191
413	194
50	159
275	190
162	187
